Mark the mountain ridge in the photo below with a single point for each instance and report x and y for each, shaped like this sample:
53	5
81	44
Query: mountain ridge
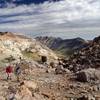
64	46
21	46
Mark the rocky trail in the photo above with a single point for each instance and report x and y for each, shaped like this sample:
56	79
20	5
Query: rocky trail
43	85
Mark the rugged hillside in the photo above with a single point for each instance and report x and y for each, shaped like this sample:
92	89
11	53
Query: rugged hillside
66	46
56	81
16	46
88	57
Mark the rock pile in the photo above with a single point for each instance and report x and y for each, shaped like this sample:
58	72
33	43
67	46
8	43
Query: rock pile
88	57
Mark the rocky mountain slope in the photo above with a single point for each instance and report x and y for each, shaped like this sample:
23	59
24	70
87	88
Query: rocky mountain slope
21	46
85	63
65	47
77	78
88	57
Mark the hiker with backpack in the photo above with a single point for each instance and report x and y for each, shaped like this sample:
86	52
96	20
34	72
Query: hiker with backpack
17	71
9	71
44	59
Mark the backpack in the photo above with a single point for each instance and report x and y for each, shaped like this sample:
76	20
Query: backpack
18	70
9	69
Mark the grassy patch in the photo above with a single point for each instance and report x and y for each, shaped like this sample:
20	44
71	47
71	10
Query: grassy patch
33	56
64	53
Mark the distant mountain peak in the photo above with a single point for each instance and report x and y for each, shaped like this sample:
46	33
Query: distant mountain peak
64	46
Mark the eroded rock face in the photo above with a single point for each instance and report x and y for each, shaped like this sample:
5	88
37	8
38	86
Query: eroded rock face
14	45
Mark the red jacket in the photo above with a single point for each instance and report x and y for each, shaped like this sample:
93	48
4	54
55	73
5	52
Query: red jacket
9	69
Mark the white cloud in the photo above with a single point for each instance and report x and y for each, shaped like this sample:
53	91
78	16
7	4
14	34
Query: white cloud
49	16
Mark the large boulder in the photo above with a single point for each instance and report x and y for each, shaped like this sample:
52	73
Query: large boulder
88	75
31	84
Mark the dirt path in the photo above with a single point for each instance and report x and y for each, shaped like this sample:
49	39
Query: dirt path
50	85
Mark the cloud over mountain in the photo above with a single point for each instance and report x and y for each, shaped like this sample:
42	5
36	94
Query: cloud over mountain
60	15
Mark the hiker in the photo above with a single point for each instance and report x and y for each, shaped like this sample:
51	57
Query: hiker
44	59
17	71
9	71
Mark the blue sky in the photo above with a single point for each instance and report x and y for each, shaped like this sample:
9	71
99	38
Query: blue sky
4	3
65	18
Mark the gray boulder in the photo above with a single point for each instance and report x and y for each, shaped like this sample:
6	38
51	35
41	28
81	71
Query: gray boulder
88	75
